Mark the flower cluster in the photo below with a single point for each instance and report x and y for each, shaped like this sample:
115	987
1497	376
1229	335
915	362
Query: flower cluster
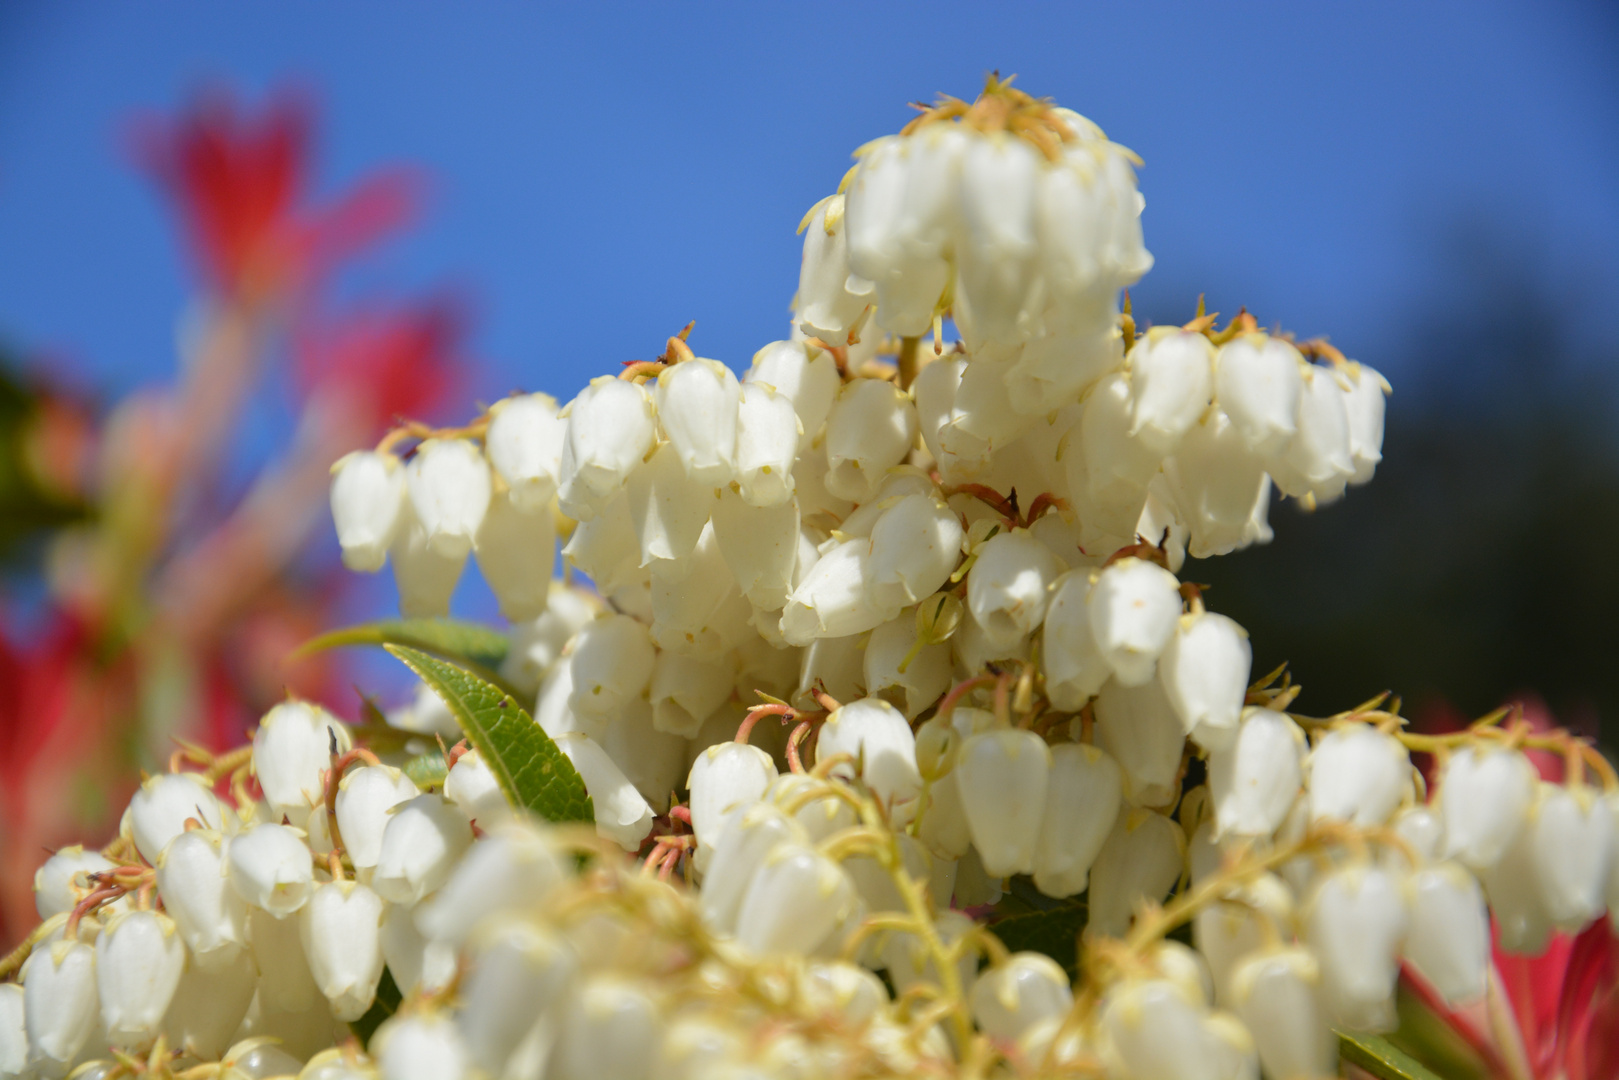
878	634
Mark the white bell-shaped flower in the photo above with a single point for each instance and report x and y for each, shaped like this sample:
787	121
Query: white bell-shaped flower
420	1045
796	899
416	961
605	548
450	486
685	690
472	786
285	982
1448	941
536	645
654	762
1171	384
1365	404
524	443
1517	902
208	1007
13	1030
1421	830
1255	780
877	207
760	547
830	298
1140	861
210	915
833	600
1355	923
513	866
341	932
1002	776
1484	798
925	675
767	436
611	426
1135	607
622	813
1571	835
1258	381
611	1027
1219	486
611	663
1114	468
368	495
1075	668
944	828
1276	993
1357	774
64	879
522	971
725	779
1139	728
1204	671
1261	911
882	752
1317	460
1006	589
996	268
738	853
1155	1029
805	375
870	429
697	404
424	838
139	959
667	506
1059	369
271	868
690	599
425	577
159	809
61	1006
1083	796
291	748
915	546
365	797
1014	995
516	551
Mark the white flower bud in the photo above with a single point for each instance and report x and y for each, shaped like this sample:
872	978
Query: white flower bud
870	429
915	546
1357	774
291	748
364	798
210	915
611	664
1085	209
1517	902
1448	941
1083	796
1258	381
1318	459
999	178
796	899
536	645
1074	667
139	959
1419	827
1114	467
767	439
1484	799
1261	911
738	853
1571	835
271	868
1276	994
697	405
521	973
1135	607
341	935
1354	923
611	427
760	546
830	298
693	600
64	879
1139	728
420	1046
622	813
472	787
1059	369
926	676
833	599
1255	780
1171	383
61	1007
653	761
685	690
805	375
1002	776
368	495
1140	860
424	838
1219	486
900	216
425	578
285	981
524	443
13	1030
1018	993
449	485
516	551
611	1028
1204	671
417	962
159	809
668	506
208	1007
944	827
1155	1029
258	1058
605	547
1364	403
725	779
882	747
511	867
1006	589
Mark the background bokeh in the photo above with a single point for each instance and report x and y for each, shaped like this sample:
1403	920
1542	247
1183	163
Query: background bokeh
1435	186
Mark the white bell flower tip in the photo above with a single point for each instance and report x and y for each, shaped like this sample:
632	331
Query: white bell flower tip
1318	459
870	429
915	547
1003	776
1171	384
1365	405
1007	587
1355	922
450	487
1448	942
1140	860
60	1003
927	674
805	375
611	427
424	838
524	443
795	901
760	547
271	868
697	403
1075	668
472	786
210	915
1083	797
64	878
420	1046
292	746
139	961
516	549
367	500
1274	991
767	441
611	662
1135	607
1255	782
738	853
1022	991
1258	382
159	810
833	599
881	748
725	779
364	798
831	300
13	1030
622	813
340	931
1485	795
1205	669
1571	835
1357	774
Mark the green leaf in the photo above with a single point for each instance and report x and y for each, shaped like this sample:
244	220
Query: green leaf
530	769
1381	1058
1053	931
448	638
387	1002
427	770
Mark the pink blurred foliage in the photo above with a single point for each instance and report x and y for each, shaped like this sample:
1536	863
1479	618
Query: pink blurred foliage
170	609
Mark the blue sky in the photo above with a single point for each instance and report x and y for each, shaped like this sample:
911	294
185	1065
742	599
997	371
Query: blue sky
605	172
